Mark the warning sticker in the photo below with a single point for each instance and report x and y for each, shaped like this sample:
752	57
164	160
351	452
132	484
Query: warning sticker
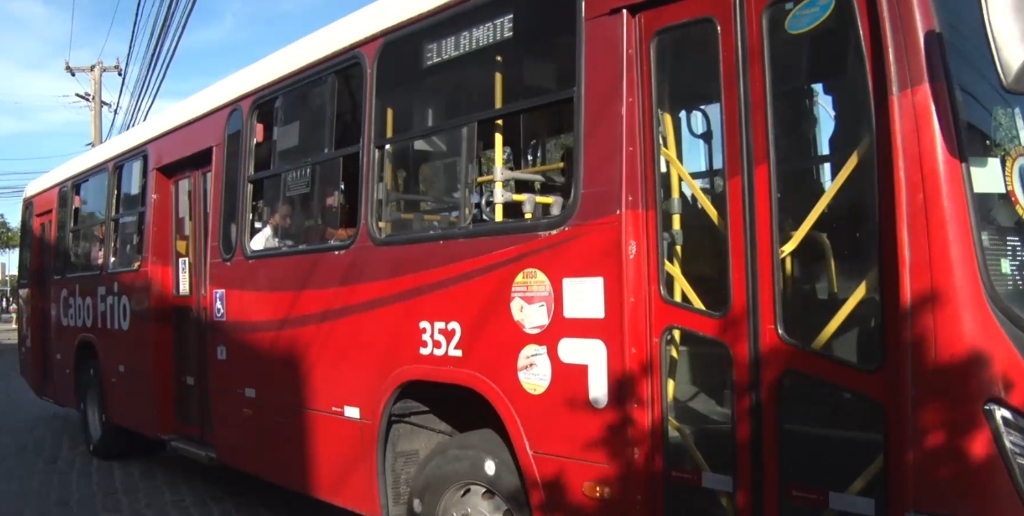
533	301
534	368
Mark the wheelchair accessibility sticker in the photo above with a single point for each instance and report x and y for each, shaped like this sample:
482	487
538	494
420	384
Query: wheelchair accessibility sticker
220	307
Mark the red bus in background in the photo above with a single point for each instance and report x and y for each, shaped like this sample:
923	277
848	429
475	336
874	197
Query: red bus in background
616	257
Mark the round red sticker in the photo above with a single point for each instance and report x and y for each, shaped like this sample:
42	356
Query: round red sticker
533	301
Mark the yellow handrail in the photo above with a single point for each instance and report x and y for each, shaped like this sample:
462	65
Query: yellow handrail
499	142
826	198
844	311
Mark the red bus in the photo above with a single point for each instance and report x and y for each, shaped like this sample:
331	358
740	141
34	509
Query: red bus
617	257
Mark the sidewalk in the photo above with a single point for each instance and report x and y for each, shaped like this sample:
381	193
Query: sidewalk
8	333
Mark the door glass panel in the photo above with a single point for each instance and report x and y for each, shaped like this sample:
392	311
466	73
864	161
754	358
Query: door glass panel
691	174
700	451
183	236
825	181
832	449
206	218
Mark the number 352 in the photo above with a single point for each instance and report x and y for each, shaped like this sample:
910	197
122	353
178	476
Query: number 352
436	336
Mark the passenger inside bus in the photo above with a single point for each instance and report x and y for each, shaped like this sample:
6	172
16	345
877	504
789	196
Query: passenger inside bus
280	221
96	249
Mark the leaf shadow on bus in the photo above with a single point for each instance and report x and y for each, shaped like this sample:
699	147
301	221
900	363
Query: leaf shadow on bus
948	444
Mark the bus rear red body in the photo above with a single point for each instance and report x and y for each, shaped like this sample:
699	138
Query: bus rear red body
773	262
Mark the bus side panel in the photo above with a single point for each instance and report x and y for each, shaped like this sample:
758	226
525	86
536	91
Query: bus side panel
961	357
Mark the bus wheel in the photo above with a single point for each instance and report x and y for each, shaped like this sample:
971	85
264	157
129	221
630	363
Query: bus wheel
472	474
104	440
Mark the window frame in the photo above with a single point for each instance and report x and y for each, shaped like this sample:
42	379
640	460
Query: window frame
863	33
248	176
142	154
504	228
71	227
62	232
223	237
654	113
26	242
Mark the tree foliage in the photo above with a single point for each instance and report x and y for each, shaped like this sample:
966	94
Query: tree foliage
9	236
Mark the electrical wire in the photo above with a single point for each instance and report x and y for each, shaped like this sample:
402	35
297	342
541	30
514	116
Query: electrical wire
36	158
71	34
127	61
113	18
179	30
167	23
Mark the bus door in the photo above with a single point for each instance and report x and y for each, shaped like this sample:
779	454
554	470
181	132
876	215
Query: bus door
825	372
42	321
694	189
34	304
189	259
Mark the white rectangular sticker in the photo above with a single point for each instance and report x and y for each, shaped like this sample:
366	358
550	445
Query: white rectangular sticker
583	298
183	277
987	175
851	503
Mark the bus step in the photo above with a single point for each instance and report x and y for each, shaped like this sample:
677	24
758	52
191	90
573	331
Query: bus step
191	449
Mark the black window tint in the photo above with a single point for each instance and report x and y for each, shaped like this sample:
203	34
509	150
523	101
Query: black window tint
348	108
88	224
90	200
232	176
60	257
300	126
25	244
446	70
826	185
127	222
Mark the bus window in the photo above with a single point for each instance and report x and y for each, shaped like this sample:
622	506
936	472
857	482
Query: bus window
25	247
825	180
447	158
306	164
691	171
60	248
88	224
991	124
127	221
232	176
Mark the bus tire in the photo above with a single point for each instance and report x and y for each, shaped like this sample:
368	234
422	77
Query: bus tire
471	473
103	439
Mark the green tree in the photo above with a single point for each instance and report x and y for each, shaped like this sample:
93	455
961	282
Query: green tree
10	236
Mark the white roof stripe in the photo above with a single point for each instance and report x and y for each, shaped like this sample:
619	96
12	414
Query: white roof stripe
354	28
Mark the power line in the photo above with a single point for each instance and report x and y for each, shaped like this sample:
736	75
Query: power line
71	34
127	63
109	28
42	157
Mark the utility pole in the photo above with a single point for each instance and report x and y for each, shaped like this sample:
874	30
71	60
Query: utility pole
95	98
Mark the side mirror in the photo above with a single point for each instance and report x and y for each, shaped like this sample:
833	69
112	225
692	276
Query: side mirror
1004	20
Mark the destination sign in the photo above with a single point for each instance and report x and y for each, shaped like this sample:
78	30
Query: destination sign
469	40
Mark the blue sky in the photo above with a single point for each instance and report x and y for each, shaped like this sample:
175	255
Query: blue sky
40	117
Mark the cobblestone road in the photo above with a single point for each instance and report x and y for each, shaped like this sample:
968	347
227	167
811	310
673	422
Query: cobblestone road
46	471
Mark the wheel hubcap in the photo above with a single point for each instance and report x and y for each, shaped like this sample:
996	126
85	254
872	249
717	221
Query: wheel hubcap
472	499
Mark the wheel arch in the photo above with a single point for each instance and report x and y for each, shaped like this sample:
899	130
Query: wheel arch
414	379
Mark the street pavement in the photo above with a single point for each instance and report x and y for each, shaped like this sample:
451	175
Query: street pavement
46	471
